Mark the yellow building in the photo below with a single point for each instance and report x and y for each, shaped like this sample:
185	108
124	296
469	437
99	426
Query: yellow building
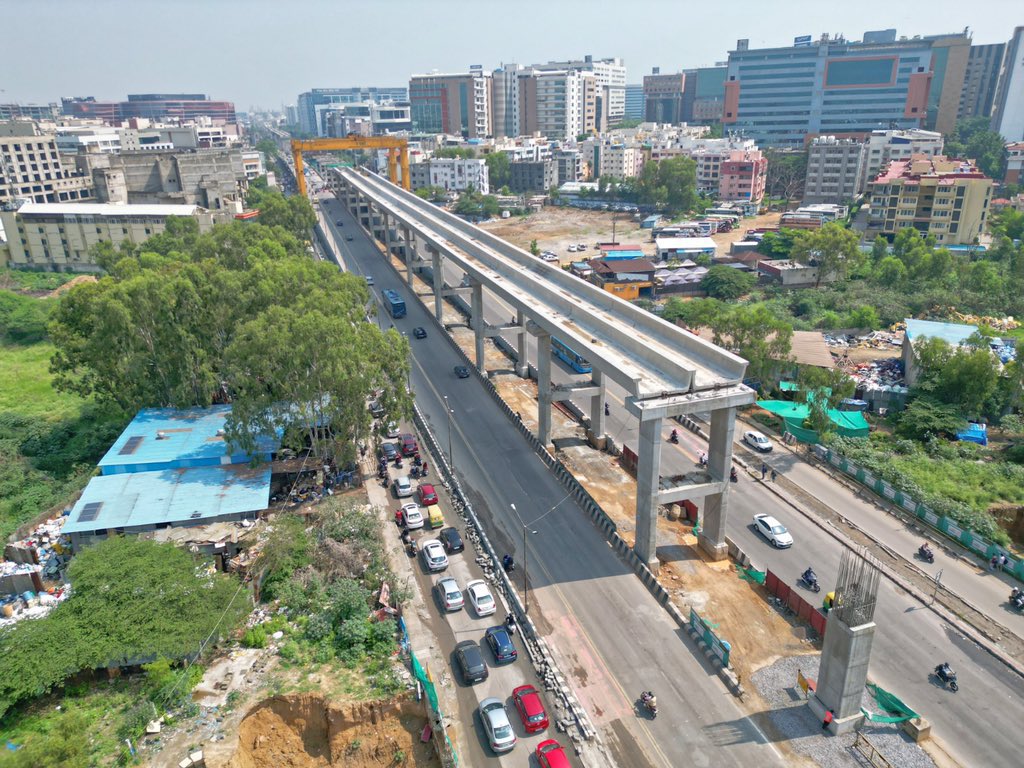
940	196
59	237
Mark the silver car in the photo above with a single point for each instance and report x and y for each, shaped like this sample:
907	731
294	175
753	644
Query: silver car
434	557
449	594
403	487
496	723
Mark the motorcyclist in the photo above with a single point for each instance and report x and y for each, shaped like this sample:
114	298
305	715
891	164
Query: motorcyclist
674	437
925	549
703	459
508	563
944	671
732	474
649	699
510	623
810	576
607	410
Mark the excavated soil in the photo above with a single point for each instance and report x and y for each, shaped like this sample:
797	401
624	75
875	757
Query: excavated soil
305	731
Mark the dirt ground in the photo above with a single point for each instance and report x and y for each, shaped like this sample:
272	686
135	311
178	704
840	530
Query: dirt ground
306	731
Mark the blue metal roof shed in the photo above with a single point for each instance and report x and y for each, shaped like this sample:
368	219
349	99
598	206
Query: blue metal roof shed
953	334
167	438
135	502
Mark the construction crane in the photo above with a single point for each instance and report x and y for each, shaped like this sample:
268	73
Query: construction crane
398	153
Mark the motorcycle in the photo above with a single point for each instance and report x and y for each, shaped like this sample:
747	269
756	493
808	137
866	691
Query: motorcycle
674	438
650	702
702	460
926	554
811	583
414	472
1017	599
733	477
947	677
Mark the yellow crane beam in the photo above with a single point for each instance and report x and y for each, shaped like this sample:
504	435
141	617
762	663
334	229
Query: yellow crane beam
398	154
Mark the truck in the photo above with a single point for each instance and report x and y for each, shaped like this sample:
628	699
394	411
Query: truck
394	303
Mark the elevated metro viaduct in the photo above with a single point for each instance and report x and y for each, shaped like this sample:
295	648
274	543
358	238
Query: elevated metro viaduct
665	370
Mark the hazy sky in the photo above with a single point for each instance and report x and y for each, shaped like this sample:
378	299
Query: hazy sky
265	52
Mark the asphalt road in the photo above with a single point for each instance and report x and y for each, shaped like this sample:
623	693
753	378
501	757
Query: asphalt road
608	634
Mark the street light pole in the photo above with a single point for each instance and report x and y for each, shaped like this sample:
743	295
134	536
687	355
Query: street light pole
451	456
526	566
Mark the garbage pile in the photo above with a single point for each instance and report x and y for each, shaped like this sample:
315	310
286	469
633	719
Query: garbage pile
31	605
29	563
884	375
875	340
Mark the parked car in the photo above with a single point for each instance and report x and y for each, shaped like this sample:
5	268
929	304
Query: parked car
392	429
412	516
449	594
402	487
340	223
499	731
434	557
388	451
531	708
581	247
551	755
480	596
452	540
757	441
500	641
419	333
572	249
409	446
462	371
427	494
376	409
773	530
471	662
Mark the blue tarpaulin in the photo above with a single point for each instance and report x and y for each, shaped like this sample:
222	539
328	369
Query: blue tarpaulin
975	433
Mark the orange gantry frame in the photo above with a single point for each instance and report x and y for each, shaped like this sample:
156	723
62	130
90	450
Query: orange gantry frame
398	153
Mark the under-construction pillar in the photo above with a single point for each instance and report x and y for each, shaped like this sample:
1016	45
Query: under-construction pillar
648	476
477	322
523	363
544	388
410	253
712	534
436	263
597	406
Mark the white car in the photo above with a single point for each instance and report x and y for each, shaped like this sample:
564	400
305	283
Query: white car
550	258
412	515
481	598
757	441
392	430
403	486
433	555
572	249
773	530
500	735
449	594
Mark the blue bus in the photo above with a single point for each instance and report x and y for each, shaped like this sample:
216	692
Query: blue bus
564	352
394	303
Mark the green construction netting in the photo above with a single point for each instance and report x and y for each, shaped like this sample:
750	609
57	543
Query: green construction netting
789	386
848	423
428	686
898	711
751	574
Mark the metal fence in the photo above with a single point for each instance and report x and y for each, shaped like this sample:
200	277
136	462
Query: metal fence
796	603
705	630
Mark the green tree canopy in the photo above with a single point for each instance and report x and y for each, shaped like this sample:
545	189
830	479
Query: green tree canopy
925	417
727	283
787	170
966	377
835	250
823	389
973	138
499	172
293	213
464	153
756	334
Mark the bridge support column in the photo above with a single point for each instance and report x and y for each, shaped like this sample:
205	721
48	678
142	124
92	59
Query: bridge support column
410	254
477	322
436	262
523	364
712	534
544	388
388	242
597	403
648	473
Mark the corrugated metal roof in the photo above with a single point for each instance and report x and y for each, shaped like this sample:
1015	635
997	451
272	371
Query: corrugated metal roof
171	496
951	333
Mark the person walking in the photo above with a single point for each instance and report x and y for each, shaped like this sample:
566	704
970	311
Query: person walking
1004	561
774	475
827	721
764	471
993	563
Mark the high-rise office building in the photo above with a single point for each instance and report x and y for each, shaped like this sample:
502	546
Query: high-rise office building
979	91
559	104
183	107
314	106
508	114
635	102
457	104
1008	118
833	87
29	111
663	97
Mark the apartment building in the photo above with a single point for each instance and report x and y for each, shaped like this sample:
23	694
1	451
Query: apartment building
49	111
940	196
835	170
979	92
609	86
457	104
1008	118
454	174
313	106
533	176
743	176
884	147
163	107
60	237
559	104
569	163
1014	163
833	87
32	168
618	161
508	111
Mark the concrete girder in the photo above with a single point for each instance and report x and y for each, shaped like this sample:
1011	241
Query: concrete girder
672	492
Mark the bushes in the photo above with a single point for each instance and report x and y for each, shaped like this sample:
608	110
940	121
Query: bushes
255	637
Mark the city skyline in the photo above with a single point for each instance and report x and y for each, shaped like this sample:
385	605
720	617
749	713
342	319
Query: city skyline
234	34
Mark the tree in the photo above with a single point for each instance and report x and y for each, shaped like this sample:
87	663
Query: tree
823	389
499	169
722	282
925	417
879	249
669	184
534	249
787	170
833	248
696	313
973	138
965	377
755	333
268	148
890	271
777	245
293	213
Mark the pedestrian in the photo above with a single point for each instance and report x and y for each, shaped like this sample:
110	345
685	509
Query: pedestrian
993	563
764	471
827	721
774	475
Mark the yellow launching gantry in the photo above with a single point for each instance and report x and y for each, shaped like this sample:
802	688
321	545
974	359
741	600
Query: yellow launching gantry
398	152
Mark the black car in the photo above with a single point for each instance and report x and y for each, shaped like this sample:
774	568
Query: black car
340	223
452	540
419	333
462	371
471	661
348	237
501	644
376	409
389	451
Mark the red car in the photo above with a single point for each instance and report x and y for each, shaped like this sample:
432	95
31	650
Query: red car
531	711
551	755
409	447
428	495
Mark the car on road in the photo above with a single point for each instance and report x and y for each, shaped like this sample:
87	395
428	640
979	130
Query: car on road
480	596
462	371
500	641
427	494
500	735
409	446
551	755
419	333
773	530
376	409
757	441
471	662
531	708
392	429
402	487
412	516
388	451
369	280
434	557
452	540
449	594
339	223
348	237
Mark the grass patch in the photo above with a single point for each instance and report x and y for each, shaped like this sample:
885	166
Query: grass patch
975	484
26	386
25	281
